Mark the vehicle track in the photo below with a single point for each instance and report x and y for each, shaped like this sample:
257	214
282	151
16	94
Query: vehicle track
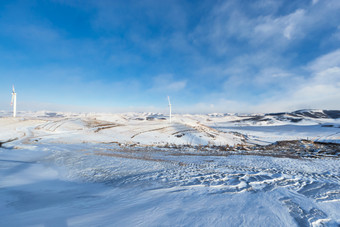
52	126
151	130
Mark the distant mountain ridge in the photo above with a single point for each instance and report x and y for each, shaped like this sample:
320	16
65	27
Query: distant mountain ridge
333	114
295	116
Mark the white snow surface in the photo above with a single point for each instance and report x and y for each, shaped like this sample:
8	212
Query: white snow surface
65	169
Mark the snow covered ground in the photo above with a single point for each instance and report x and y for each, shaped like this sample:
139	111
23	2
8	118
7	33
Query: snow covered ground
136	169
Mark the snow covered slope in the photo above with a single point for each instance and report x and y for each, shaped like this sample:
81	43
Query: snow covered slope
95	185
136	169
150	129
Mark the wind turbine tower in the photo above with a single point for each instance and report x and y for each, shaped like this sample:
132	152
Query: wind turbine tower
14	102
169	108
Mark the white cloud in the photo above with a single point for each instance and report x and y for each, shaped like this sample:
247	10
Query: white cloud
287	27
326	61
273	75
288	31
315	2
267	30
321	90
166	83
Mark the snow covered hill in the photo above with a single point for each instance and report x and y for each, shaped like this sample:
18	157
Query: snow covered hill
150	129
137	169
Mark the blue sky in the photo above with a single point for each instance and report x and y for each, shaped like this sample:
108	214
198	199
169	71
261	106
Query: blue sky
208	56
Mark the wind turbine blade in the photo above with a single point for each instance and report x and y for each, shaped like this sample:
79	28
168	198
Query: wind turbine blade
13	90
169	101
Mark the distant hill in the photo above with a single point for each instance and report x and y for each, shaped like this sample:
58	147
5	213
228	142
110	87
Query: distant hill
293	117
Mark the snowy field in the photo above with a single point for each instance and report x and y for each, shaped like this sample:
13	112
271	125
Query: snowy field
136	169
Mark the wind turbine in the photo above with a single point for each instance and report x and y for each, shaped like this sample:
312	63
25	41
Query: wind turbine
169	108
14	102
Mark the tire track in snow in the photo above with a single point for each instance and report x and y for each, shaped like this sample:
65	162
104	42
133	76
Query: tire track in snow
151	130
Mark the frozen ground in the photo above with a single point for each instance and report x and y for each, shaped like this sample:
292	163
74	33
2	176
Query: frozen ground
60	169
